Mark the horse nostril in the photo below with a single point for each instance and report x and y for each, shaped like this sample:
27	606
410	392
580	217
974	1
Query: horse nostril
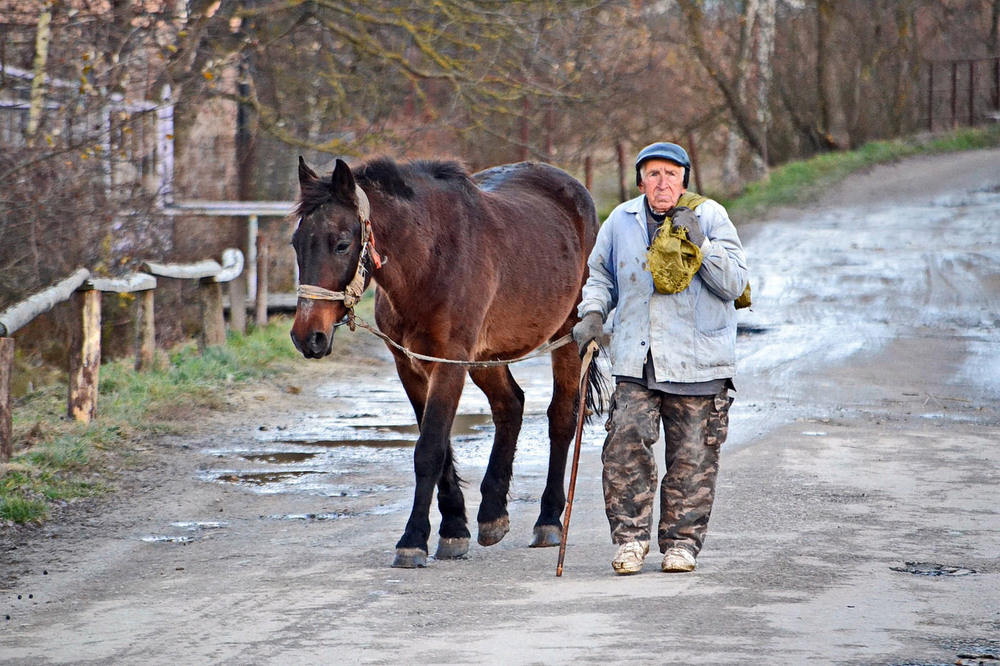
318	343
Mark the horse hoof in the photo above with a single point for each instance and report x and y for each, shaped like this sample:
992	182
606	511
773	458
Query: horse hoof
546	536
491	533
452	548
410	558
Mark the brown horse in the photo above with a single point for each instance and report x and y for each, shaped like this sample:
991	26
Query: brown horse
483	267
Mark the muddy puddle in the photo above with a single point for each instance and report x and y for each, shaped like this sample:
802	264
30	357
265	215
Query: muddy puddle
352	428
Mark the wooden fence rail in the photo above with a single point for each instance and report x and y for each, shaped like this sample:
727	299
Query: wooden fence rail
85	293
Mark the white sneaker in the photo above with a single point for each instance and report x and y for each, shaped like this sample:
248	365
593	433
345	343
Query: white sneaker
678	559
628	559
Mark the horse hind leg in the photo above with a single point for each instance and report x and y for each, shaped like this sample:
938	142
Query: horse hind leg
562	415
507	405
453	542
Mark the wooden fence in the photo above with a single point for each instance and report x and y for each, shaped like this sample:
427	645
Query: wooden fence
963	91
84	291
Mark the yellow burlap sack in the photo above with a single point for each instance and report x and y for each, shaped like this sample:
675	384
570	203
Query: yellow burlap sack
744	300
672	259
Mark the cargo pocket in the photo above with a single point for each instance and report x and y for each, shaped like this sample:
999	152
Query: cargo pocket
718	419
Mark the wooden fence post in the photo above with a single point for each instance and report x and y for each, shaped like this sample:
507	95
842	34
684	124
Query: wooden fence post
6	415
210	275
213	323
260	303
145	330
238	304
85	356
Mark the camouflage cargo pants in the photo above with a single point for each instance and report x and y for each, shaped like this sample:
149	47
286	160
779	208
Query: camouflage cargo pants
694	429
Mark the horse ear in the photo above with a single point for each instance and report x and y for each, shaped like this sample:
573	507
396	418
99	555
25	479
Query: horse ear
306	175
342	182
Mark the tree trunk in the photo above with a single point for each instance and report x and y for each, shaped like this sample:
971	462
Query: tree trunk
741	113
731	176
833	123
765	76
42	36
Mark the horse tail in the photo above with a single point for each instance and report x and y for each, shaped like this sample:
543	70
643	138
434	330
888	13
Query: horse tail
596	389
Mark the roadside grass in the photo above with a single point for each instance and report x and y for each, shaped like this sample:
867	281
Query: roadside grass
798	182
57	460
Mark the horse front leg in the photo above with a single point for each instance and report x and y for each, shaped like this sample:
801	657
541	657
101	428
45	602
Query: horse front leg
562	415
430	456
507	406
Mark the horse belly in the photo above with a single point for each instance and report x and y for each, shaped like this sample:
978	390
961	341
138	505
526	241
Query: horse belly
530	306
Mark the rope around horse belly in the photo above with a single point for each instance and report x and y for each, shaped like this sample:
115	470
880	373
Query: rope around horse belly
544	349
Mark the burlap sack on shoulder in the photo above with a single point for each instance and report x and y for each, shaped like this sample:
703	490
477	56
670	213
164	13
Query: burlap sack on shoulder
672	259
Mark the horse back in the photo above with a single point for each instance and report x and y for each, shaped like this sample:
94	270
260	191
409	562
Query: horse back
537	186
542	225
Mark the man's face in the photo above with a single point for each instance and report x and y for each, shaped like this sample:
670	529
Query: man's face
662	182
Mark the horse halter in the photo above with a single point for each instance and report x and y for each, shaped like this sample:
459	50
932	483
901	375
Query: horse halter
352	292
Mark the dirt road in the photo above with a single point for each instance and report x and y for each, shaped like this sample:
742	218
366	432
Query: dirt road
857	519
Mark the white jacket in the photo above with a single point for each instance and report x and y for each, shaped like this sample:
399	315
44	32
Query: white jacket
692	334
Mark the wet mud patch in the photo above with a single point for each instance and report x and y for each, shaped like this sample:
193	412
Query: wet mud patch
312	517
263	478
933	569
279	457
165	538
194	528
332	443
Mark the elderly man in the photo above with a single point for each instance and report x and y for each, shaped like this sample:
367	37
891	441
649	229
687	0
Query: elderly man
673	356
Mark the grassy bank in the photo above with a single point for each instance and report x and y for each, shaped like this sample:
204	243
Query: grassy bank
57	460
796	183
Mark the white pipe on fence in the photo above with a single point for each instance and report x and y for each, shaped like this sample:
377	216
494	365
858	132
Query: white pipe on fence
193	271
232	266
17	316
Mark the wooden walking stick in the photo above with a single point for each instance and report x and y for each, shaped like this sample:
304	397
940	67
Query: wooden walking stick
588	357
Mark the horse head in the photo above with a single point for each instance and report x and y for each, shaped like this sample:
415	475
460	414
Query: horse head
329	247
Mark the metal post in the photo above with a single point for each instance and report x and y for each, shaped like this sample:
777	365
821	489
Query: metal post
930	96
253	230
954	94
972	92
996	83
260	299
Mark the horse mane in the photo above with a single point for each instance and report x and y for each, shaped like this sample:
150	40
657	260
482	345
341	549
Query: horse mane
394	179
391	178
315	193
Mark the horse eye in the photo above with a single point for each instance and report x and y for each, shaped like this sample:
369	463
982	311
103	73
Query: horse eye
342	247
